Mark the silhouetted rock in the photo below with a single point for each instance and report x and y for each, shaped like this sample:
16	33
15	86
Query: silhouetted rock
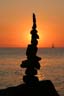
32	62
42	88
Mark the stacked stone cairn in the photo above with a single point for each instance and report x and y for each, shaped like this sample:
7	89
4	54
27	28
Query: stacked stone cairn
32	62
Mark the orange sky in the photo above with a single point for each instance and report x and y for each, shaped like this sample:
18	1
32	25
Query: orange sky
16	22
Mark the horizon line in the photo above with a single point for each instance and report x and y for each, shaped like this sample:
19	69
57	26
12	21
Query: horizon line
26	47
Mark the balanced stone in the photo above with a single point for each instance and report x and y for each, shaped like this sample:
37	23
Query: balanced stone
32	62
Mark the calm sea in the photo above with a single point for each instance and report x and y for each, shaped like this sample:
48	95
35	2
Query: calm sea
52	67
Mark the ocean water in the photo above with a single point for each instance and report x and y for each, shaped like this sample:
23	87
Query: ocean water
52	67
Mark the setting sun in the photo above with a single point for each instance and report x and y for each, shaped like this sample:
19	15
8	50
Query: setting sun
16	23
31	37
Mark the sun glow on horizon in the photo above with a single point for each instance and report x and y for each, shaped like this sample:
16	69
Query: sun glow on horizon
16	22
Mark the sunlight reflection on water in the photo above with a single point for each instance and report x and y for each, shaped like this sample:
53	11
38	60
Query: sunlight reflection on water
52	68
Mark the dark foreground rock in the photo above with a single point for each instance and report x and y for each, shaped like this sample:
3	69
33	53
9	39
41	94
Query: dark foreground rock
42	88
